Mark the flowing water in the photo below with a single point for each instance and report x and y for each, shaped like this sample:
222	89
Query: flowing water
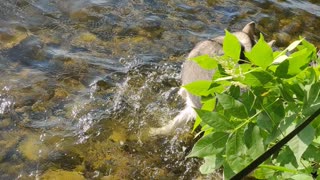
83	81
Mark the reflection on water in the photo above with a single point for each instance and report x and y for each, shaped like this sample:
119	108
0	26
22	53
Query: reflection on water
82	81
308	6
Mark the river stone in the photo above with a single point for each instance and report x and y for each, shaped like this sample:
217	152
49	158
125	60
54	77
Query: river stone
66	159
73	84
61	175
293	28
282	38
8	140
85	39
267	24
197	26
11	37
40	106
27	96
5	123
32	148
86	14
60	93
118	135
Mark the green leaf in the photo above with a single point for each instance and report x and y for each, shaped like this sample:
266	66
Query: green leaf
249	100
264	122
257	78
236	151
284	125
234	91
293	112
219	88
286	93
211	163
264	173
294	65
278	168
215	120
309	76
209	105
282	70
281	56
294	45
298	60
197	122
247	138
286	157
257	147
276	54
301	177
231	46
271	116
300	143
243	68
316	124
233	106
298	91
235	145
311	101
310	47
209	145
312	153
227	171
206	62
280	59
261	54
198	88
206	129
276	111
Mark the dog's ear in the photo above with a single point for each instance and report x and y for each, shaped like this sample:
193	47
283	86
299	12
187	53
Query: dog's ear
270	43
249	29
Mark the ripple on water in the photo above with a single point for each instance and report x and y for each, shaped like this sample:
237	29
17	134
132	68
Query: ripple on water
82	81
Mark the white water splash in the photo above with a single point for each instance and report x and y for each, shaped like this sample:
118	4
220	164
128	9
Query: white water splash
5	102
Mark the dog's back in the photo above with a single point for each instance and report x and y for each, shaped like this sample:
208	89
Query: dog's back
192	72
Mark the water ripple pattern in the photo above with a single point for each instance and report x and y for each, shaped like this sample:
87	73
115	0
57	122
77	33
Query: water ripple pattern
83	81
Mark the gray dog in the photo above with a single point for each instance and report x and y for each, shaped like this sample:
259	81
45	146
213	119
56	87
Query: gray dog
192	72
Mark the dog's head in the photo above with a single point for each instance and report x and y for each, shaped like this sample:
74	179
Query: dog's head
246	36
247	39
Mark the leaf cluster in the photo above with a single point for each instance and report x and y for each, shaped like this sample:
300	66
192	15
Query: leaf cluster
249	107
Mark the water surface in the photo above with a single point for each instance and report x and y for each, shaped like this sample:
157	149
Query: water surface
83	81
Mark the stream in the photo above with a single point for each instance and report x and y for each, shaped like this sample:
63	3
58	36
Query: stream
83	81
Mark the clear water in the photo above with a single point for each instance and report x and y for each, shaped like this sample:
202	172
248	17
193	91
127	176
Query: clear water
83	81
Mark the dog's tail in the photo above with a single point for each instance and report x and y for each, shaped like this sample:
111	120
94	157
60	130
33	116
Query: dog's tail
187	114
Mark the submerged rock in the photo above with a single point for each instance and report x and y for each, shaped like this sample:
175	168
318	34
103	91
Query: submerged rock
8	141
60	94
61	175
67	159
5	123
32	148
282	38
11	37
40	106
118	135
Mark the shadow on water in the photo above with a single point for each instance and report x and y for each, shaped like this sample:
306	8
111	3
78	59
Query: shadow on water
82	82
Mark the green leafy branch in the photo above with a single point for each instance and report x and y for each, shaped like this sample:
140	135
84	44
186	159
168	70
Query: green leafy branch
249	107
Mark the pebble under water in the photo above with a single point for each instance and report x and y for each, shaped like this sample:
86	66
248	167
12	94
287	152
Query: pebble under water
83	81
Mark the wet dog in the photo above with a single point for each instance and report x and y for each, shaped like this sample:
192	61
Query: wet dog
192	72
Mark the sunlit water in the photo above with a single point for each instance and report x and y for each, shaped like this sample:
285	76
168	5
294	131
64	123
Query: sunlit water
83	81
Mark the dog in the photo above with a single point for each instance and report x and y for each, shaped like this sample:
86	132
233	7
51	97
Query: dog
192	72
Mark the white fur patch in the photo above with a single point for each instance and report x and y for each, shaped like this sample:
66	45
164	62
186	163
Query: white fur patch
187	114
